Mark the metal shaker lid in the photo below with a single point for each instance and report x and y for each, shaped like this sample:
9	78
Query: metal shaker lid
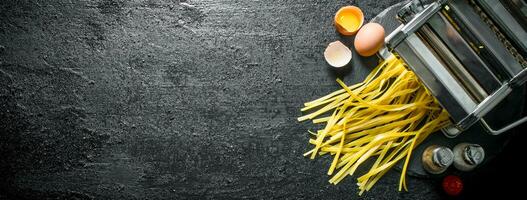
443	156
473	154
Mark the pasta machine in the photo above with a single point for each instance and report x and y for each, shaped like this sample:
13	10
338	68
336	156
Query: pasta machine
470	54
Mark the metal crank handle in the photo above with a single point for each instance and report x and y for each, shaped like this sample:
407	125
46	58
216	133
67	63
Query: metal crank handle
505	128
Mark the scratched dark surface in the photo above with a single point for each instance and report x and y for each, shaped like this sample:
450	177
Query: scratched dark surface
168	99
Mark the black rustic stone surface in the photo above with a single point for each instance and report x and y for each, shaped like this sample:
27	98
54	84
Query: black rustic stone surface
168	99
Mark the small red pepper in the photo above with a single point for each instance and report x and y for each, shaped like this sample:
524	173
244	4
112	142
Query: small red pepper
452	185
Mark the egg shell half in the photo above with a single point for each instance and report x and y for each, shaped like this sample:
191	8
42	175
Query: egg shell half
337	54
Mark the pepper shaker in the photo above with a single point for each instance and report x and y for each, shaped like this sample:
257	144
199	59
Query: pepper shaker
436	159
468	156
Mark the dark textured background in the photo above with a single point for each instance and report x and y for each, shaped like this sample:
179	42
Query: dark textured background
168	99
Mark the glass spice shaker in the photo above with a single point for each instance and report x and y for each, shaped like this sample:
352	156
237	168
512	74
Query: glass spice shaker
468	156
436	159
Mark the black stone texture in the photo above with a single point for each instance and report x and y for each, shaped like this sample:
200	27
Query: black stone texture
168	99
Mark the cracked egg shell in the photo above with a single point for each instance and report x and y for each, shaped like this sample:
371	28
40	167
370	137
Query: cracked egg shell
337	54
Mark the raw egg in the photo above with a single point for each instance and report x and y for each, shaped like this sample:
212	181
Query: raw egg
348	20
369	39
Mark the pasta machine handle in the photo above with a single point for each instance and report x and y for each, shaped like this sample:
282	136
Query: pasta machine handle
503	129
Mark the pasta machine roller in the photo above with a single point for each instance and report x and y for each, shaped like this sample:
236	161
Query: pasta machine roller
470	54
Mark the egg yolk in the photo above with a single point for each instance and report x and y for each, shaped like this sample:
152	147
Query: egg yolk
349	22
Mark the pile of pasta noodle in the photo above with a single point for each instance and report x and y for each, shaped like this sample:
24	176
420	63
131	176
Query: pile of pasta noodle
384	117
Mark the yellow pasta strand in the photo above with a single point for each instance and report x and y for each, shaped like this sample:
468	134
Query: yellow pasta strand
387	116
